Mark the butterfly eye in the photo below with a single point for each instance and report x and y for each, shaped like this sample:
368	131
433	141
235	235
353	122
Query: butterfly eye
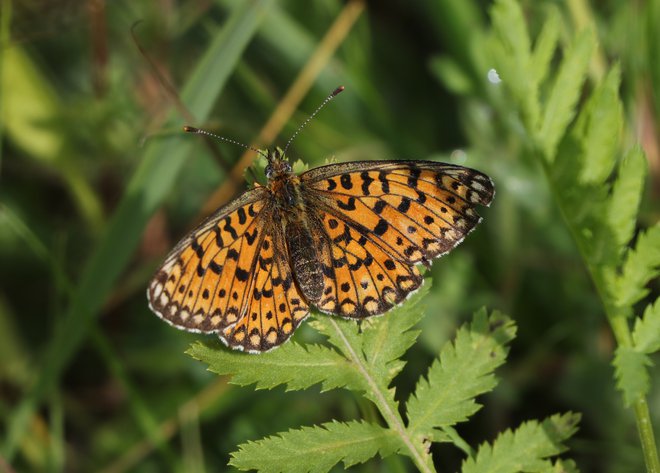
269	172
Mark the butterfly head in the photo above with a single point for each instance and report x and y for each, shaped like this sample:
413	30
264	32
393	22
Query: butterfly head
278	165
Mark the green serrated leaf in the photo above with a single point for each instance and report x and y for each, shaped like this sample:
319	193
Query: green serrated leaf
292	365
256	172
641	265
316	449
525	449
632	377
599	128
564	466
341	332
545	46
647	329
379	340
560	107
390	336
626	195
510	47
463	371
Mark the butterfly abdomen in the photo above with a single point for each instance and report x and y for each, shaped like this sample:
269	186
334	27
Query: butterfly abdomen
305	261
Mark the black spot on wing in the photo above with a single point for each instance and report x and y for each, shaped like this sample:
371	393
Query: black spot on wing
229	229
380	205
350	205
381	227
384	183
215	267
250	237
366	182
242	218
346	182
404	205
241	274
218	237
413	176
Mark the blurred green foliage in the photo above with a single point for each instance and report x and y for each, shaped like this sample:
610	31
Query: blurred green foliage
98	182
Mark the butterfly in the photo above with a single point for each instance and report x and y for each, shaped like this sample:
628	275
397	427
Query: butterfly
343	238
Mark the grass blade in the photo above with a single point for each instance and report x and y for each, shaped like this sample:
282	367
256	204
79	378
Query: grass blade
155	176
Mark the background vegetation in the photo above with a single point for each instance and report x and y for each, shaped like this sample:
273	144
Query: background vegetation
98	182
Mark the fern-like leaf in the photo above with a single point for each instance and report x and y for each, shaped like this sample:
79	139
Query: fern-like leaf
545	46
511	50
526	449
565	92
626	195
316	449
463	371
641	265
632	377
599	127
381	341
647	329
293	365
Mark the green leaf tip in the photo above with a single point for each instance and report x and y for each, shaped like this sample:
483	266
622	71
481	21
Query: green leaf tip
525	449
646	335
512	55
599	129
463	371
641	265
632	377
626	195
565	93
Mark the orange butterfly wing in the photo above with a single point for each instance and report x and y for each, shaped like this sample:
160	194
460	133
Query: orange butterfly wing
381	218
227	270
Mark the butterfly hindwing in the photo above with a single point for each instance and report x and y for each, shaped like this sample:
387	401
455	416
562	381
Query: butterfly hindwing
231	276
274	307
360	277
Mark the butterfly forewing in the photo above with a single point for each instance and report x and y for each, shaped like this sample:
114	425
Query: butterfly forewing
415	210
361	278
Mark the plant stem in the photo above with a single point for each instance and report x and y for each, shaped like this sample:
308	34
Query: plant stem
621	331
391	416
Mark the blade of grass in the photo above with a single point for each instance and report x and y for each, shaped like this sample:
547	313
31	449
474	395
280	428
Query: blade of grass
136	403
29	102
202	401
319	59
160	164
141	413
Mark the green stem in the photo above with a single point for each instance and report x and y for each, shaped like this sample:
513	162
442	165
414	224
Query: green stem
621	331
391	416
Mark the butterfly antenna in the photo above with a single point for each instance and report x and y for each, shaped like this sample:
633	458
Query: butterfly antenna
192	129
334	93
